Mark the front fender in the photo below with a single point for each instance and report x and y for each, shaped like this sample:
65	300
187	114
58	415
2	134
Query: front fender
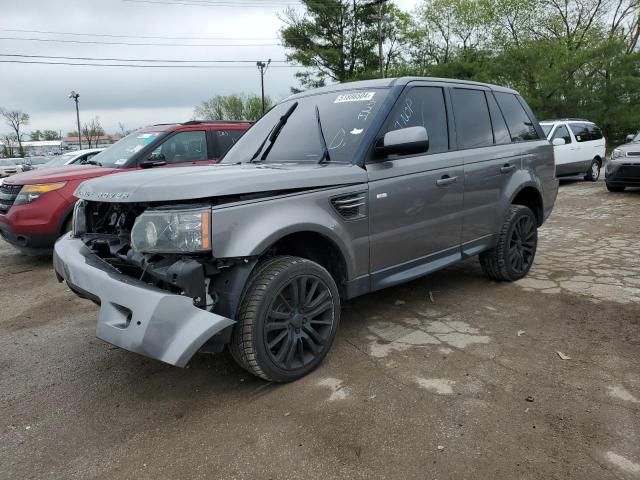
246	230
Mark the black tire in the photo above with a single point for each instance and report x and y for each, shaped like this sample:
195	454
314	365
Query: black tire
611	188
512	257
594	171
282	335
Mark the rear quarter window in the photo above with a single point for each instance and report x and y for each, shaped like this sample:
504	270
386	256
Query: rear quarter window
594	132
580	131
520	125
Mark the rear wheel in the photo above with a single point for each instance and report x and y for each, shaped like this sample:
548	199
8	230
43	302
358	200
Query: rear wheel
512	257
287	320
611	188
594	171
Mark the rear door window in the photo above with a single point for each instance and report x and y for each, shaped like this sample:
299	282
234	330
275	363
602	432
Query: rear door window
224	140
520	125
423	107
562	132
580	131
473	123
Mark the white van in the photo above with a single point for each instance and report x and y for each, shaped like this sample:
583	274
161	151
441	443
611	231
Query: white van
578	145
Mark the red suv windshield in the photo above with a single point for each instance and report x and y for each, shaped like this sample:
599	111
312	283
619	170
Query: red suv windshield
118	154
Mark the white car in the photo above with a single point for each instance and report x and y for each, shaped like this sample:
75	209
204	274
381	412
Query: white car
10	166
77	157
578	145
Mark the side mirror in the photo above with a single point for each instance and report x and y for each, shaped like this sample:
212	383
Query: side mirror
405	141
155	160
630	137
558	141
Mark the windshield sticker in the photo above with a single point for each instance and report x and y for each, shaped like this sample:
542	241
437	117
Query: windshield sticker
122	161
356	131
137	148
354	97
145	135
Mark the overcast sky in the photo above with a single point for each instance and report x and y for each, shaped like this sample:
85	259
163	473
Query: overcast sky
136	97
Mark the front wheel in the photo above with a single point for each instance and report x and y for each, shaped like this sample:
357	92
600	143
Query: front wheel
287	319
594	171
611	188
512	257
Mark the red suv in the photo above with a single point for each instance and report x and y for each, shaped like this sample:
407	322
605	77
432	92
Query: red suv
36	206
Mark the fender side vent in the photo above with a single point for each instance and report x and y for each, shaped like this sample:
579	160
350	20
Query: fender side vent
352	206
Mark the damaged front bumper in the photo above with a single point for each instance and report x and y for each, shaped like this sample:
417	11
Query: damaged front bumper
134	315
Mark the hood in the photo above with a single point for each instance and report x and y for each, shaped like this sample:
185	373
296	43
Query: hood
633	147
187	183
59	174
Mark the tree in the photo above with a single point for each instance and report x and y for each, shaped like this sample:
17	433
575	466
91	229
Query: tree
123	132
231	107
92	131
16	119
337	39
9	142
35	135
50	135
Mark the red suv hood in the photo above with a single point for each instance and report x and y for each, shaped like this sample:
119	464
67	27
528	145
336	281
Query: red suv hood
60	174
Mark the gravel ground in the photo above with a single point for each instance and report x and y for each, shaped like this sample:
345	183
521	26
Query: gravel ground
449	377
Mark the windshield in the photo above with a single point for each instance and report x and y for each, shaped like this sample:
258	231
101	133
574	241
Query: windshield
8	163
636	138
118	154
546	129
60	160
345	117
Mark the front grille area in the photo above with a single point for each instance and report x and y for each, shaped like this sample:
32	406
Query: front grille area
8	194
628	171
633	154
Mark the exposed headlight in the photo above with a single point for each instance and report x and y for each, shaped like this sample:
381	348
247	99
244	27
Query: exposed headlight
30	193
172	231
79	222
617	153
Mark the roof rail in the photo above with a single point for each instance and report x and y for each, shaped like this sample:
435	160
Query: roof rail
566	120
199	122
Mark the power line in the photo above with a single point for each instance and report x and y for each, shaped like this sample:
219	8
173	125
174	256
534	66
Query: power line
95	42
150	37
131	65
212	4
149	60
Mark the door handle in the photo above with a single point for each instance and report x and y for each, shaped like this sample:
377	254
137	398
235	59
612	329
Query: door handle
507	168
446	180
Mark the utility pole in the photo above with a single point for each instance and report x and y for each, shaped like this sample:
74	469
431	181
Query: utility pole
75	97
262	66
380	4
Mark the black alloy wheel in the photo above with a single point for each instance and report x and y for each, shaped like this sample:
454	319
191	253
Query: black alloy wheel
299	322
522	245
287	319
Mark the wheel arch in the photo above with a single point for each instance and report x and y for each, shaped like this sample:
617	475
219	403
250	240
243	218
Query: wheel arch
315	246
530	196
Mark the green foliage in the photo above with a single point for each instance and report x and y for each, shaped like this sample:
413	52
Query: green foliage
575	58
50	135
231	107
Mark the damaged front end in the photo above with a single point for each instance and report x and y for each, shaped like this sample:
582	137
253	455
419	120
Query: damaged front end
150	268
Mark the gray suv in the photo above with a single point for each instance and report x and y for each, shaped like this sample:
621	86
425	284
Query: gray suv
623	168
334	193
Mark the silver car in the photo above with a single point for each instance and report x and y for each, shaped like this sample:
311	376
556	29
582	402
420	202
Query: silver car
334	193
623	168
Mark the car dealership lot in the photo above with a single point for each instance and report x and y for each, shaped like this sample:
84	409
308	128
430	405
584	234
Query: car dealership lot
450	376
